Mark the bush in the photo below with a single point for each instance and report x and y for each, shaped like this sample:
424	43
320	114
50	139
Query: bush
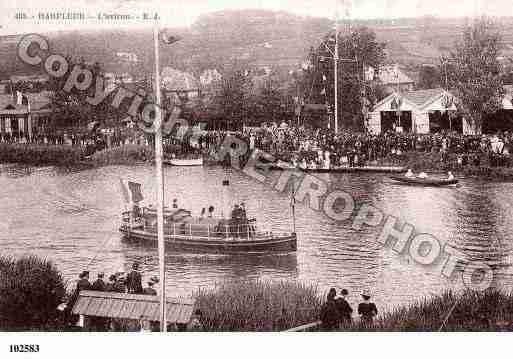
258	306
31	289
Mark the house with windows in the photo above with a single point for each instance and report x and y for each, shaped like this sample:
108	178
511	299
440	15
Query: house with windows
391	77
22	115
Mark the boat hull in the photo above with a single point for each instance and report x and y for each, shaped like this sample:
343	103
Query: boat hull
432	182
278	244
184	162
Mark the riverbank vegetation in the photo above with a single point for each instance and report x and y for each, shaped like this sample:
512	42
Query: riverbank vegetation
258	306
270	306
31	290
40	154
468	311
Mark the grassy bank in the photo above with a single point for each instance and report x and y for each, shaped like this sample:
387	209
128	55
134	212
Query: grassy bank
40	154
269	306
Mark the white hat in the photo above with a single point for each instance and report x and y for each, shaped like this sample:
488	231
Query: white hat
366	293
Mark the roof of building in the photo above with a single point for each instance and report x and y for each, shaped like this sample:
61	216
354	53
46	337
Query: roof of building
131	306
30	78
174	80
392	75
421	97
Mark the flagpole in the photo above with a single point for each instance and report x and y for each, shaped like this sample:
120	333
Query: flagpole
160	186
336	67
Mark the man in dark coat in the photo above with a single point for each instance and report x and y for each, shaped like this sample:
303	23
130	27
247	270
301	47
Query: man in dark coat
344	309
99	284
134	280
83	283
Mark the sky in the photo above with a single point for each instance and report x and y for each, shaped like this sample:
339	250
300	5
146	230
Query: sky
180	13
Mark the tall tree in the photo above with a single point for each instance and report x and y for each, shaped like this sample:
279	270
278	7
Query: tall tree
269	101
362	50
233	95
474	73
429	77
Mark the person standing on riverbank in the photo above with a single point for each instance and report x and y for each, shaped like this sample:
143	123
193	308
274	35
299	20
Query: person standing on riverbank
344	309
329	312
83	283
99	284
367	310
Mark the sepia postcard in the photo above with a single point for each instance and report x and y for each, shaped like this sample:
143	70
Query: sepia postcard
336	169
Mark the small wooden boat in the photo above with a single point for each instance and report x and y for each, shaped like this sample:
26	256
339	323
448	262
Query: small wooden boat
285	166
184	162
430	181
182	232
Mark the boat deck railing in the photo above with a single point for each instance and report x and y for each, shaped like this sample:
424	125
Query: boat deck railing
203	230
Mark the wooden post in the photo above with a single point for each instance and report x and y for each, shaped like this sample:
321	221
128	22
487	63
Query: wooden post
226	229
190	231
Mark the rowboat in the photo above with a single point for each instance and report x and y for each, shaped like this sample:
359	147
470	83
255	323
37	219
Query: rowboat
183	232
184	162
285	166
435	182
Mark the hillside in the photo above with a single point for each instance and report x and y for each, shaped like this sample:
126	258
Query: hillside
255	38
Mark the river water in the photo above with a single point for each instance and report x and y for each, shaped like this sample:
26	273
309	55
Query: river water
72	218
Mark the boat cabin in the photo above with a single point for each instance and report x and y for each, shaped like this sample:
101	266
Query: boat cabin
180	222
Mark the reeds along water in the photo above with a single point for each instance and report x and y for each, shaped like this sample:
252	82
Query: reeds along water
258	306
278	306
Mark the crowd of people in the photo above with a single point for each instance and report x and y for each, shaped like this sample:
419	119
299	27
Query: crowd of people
308	147
322	148
337	313
118	282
